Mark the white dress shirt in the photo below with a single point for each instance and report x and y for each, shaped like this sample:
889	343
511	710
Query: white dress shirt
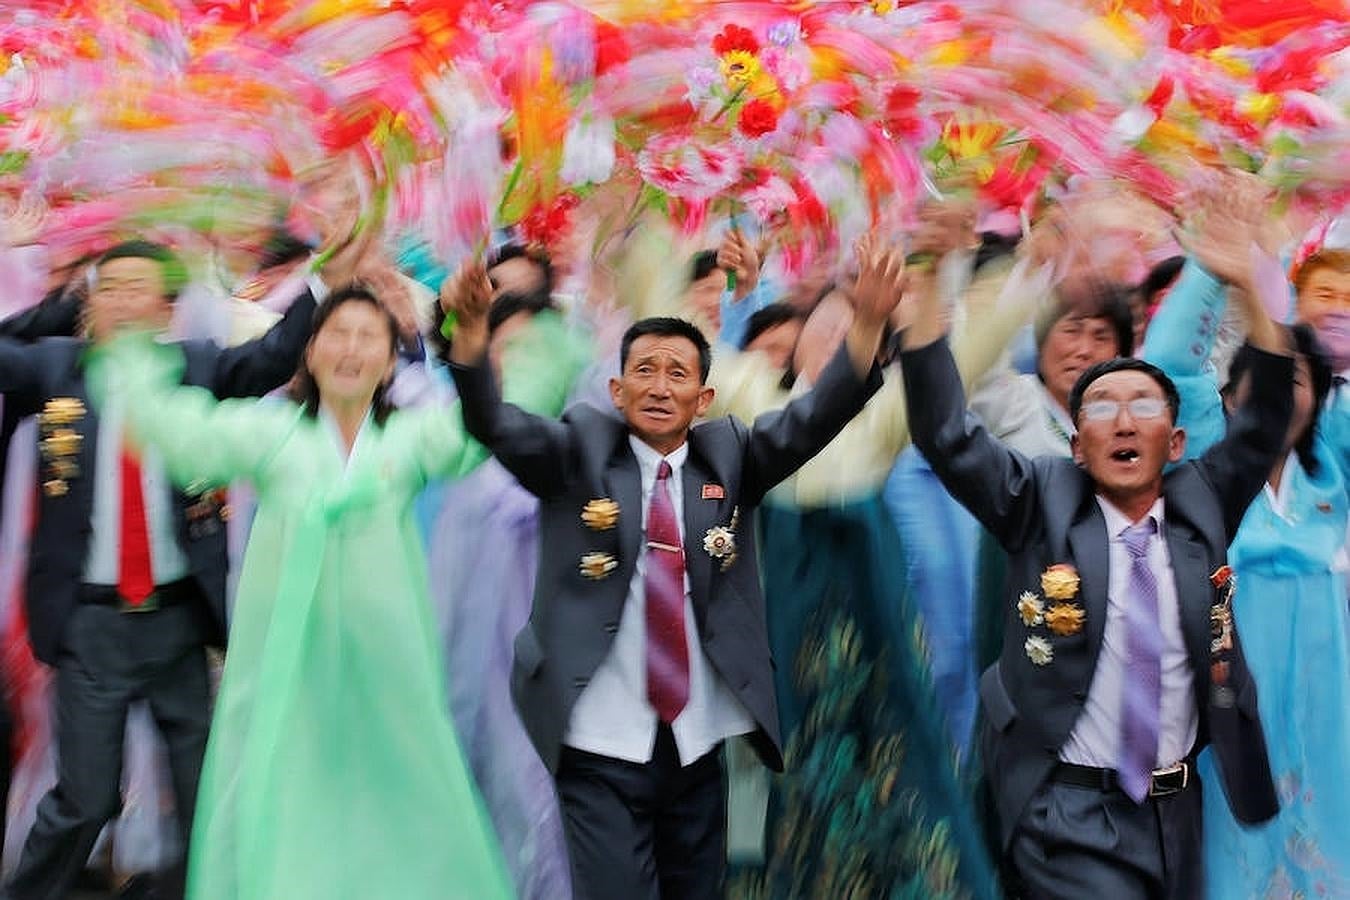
613	717
1095	740
168	562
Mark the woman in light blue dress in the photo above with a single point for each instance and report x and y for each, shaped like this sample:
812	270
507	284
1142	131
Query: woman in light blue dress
1290	607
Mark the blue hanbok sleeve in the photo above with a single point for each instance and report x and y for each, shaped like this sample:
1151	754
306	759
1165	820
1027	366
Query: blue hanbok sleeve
1179	341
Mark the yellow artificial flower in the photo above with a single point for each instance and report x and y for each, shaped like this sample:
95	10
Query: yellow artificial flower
740	68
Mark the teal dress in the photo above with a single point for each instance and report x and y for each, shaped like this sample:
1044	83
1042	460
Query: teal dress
872	802
332	768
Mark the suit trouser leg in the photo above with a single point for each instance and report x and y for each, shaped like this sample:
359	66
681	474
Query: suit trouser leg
1075	842
179	698
92	696
646	831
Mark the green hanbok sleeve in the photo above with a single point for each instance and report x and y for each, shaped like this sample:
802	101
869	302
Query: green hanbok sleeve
200	439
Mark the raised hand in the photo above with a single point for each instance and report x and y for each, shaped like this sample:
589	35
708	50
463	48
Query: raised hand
740	257
1225	219
465	299
881	279
21	219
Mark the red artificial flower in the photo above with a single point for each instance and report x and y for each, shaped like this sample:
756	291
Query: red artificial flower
611	47
1011	185
1161	96
756	176
544	226
758	118
902	111
734	37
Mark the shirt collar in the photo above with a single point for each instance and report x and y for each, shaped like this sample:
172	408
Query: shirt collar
649	460
1117	521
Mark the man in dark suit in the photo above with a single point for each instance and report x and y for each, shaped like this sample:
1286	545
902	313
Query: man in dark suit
1119	661
646	647
126	579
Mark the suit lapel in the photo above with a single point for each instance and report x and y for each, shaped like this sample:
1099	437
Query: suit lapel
1090	545
1192	586
623	482
699	516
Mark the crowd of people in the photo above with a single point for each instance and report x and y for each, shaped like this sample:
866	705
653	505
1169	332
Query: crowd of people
957	564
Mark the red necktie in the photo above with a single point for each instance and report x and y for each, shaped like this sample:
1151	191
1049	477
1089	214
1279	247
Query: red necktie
667	649
135	581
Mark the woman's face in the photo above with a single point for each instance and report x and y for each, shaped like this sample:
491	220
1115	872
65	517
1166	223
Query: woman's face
351	354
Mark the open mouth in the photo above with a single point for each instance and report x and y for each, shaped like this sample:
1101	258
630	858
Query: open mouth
1125	455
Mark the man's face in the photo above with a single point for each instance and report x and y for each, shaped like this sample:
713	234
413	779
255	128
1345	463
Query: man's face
1072	346
127	293
1125	453
661	390
1324	291
703	299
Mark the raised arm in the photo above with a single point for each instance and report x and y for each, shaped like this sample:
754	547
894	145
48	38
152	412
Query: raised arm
58	315
995	483
200	438
1224	240
781	442
533	448
262	364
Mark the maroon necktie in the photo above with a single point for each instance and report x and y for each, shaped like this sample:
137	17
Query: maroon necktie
667	649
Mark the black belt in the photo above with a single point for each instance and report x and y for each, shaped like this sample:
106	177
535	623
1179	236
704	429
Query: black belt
175	593
1171	780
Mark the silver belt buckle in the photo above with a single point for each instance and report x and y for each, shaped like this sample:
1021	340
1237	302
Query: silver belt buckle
1183	768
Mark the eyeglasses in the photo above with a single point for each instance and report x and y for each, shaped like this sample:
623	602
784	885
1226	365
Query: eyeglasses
1139	407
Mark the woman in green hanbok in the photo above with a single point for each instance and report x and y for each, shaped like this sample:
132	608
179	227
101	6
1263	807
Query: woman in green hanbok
333	770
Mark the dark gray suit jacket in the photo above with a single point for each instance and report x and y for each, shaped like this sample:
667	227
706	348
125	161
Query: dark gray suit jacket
33	374
1044	512
586	456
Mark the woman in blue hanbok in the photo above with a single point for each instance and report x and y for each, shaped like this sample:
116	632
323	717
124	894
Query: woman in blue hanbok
1290	607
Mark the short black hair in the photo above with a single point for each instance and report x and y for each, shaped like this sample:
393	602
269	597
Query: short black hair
703	264
1101	300
1160	277
668	326
510	251
1123	364
172	270
1320	373
771	316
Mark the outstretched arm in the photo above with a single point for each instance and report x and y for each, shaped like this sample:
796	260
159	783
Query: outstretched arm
533	448
199	437
781	442
995	483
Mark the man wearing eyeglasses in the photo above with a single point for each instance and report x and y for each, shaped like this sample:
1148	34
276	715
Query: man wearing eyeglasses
1119	660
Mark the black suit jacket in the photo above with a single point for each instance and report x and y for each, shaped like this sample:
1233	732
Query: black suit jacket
57	314
32	375
1044	512
587	456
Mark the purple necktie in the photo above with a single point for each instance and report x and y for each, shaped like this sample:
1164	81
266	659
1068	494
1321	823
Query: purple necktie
1142	692
667	649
